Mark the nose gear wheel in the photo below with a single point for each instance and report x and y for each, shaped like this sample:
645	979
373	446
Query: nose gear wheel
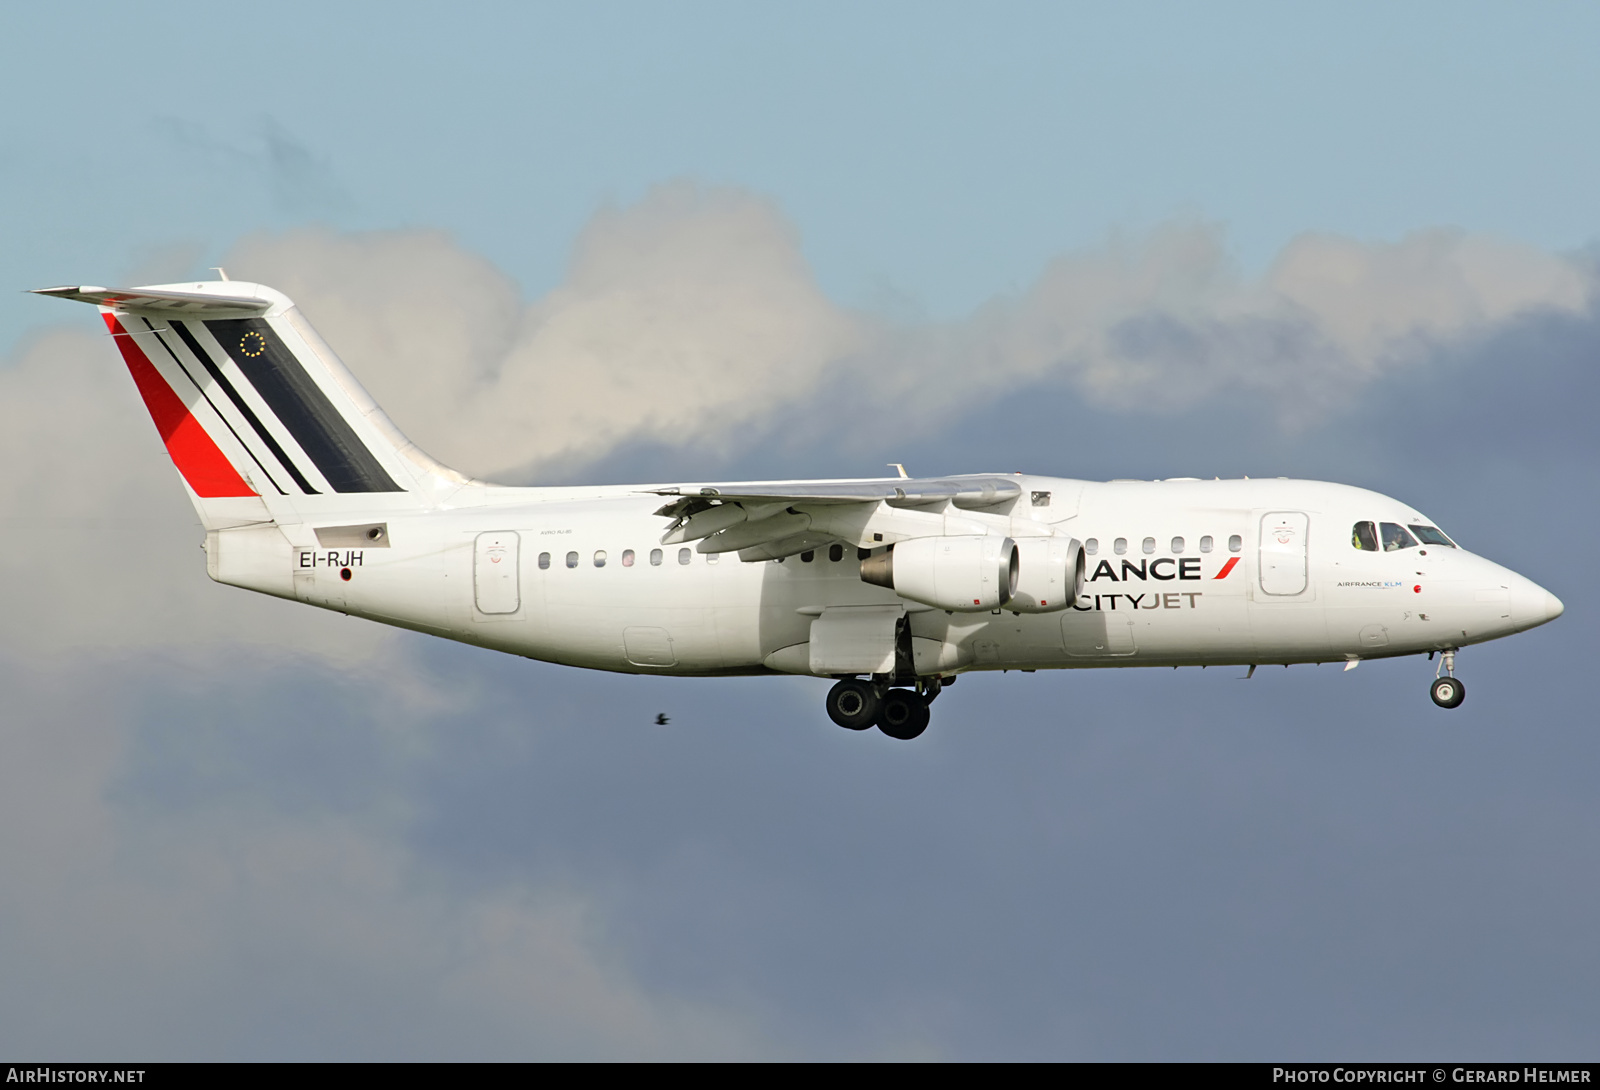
1447	690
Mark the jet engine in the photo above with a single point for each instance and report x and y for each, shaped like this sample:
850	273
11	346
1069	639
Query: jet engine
1051	574
963	574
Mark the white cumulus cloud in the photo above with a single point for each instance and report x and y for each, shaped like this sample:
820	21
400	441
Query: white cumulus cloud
225	926
682	318
691	317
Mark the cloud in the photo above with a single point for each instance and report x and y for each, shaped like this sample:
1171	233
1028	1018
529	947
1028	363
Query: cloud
685	317
224	927
692	319
1165	322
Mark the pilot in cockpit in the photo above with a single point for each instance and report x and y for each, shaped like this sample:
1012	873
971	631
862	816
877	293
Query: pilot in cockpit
1395	537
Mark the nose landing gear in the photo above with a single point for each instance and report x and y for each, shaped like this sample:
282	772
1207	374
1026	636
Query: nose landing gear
1447	690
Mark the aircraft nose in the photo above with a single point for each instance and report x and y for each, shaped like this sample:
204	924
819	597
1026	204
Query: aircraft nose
1532	605
1552	606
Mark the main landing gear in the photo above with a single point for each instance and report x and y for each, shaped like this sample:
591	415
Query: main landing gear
899	713
1447	690
854	704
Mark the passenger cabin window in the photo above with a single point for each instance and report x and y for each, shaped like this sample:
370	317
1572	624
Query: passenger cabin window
1119	546
1092	546
1148	545
1235	543
627	558
1205	544
572	560
683	556
712	558
1177	545
544	560
808	556
655	558
836	552
599	558
1432	535
1364	537
1395	537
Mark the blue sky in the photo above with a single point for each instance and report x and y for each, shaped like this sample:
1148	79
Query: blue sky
1348	242
935	154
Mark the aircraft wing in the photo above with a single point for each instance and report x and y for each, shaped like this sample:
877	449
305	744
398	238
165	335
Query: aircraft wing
978	490
767	520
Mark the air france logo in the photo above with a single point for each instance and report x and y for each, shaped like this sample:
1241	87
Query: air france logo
1183	568
1162	569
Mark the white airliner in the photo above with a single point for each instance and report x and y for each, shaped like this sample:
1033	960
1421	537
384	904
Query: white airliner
892	587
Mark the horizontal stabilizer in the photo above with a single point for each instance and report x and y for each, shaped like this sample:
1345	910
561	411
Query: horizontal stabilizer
163	301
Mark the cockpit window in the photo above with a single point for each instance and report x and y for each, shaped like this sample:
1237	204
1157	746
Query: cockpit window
1365	537
1395	537
1432	535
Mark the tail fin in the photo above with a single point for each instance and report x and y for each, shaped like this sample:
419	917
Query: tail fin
262	420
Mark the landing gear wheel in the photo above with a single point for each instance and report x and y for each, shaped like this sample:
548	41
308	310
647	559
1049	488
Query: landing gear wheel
903	714
853	704
1448	692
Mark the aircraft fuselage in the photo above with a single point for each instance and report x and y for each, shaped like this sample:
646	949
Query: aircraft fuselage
578	577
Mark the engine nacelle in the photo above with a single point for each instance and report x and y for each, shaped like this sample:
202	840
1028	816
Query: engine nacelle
963	574
1051	574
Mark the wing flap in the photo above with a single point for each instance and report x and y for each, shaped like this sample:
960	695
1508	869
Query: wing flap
749	534
785	547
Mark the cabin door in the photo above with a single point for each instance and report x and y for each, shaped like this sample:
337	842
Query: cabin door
1283	552
495	581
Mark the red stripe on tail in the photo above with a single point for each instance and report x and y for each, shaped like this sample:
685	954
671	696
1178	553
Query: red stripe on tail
194	452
